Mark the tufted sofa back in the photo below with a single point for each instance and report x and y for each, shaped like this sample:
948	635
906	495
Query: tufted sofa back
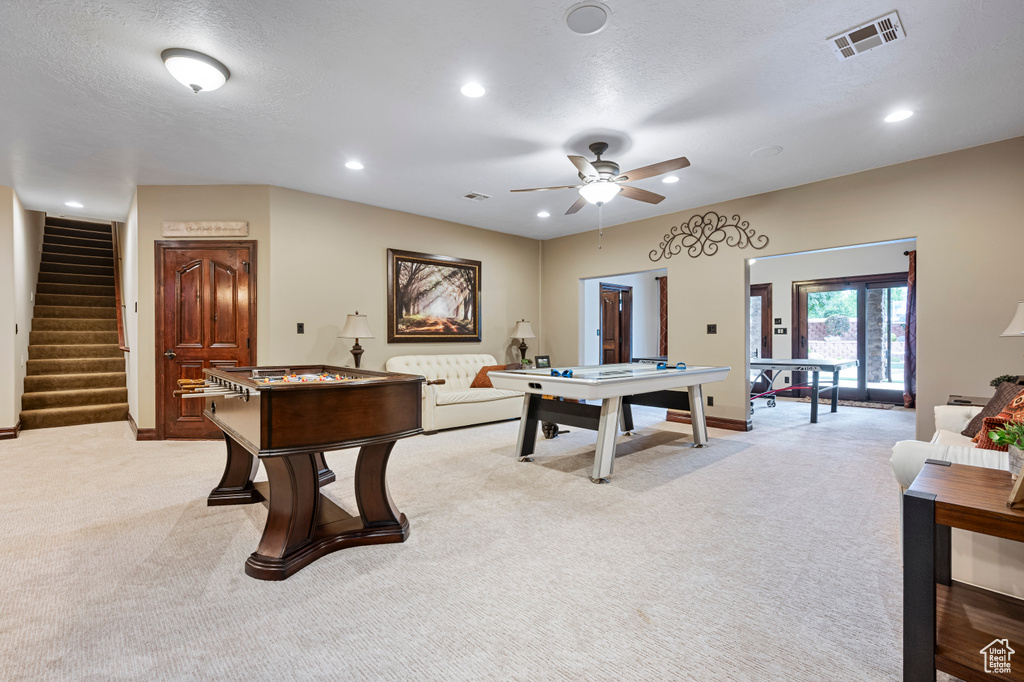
458	371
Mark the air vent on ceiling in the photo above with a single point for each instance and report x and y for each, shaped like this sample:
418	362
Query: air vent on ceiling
476	196
880	31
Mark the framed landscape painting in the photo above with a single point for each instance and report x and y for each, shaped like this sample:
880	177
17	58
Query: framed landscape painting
432	298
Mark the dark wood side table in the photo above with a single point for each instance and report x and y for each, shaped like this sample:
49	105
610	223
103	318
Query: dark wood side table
975	400
946	624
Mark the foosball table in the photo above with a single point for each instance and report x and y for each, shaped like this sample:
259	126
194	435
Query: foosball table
288	417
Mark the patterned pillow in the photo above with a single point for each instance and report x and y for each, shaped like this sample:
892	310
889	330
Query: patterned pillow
1014	410
1004	394
983	441
482	380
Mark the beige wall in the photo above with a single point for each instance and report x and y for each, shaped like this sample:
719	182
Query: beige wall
8	411
156	204
964	208
320	259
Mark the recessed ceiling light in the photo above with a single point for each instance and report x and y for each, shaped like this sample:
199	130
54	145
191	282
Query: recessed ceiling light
900	115
587	18
195	69
543	214
74	204
473	90
765	152
670	179
354	165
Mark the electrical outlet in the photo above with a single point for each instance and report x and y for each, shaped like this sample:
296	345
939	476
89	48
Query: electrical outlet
300	328
712	329
781	330
711	401
787	379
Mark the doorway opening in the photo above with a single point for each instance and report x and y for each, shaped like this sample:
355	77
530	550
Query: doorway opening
849	303
622	318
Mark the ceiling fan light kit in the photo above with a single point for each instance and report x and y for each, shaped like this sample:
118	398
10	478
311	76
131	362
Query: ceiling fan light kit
195	70
600	191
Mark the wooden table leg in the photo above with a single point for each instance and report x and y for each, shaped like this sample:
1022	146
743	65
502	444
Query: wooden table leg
235	485
326	475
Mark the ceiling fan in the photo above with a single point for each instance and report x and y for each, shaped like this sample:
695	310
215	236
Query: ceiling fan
602	180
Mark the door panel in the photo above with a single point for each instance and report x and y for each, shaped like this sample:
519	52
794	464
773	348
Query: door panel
207	318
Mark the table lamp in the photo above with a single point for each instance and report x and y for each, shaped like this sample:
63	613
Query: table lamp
522	332
1016	327
356	328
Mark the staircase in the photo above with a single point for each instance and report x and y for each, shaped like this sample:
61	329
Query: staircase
75	371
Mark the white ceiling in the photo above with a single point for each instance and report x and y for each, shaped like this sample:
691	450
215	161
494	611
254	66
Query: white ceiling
89	111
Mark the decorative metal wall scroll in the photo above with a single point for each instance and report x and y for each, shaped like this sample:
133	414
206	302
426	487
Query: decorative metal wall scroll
702	234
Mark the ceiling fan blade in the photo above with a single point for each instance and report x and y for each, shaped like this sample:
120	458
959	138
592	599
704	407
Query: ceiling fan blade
654	169
584	167
580	203
544	189
641	195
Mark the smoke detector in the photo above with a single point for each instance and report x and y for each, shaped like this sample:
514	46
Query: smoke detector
875	33
476	196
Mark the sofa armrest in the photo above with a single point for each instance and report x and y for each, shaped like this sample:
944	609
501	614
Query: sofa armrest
954	417
908	458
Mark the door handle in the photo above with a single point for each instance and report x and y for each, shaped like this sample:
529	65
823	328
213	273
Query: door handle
170	354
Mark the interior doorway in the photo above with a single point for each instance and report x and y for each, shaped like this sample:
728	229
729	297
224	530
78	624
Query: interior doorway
205	317
760	330
616	323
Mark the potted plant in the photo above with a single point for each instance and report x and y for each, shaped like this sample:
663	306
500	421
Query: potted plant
1011	434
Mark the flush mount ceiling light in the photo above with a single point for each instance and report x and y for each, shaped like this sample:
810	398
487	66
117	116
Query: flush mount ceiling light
195	69
74	204
587	18
354	165
900	115
600	191
670	179
472	90
543	214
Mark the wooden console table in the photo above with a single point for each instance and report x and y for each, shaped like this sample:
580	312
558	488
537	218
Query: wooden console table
946	624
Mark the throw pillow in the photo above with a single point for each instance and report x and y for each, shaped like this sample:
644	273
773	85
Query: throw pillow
1004	394
1014	410
983	441
482	380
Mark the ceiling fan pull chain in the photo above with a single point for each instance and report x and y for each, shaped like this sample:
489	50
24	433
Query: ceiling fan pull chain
600	224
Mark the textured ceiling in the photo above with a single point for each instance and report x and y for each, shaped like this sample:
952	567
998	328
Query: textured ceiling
89	111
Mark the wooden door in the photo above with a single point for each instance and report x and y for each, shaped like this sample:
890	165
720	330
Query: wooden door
206	317
616	323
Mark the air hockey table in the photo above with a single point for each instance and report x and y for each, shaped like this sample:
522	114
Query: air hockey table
617	387
816	367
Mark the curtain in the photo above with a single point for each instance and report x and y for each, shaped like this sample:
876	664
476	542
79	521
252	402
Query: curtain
910	352
663	315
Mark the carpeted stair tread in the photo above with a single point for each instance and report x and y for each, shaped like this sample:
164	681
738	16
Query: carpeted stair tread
73	289
80	250
70	416
77	324
92	226
64	337
78	233
103	260
75	311
54	239
69	278
74	365
75	300
90	350
75	269
70	382
42	400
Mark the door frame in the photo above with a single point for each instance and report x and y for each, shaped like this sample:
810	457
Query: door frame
861	283
625	337
160	246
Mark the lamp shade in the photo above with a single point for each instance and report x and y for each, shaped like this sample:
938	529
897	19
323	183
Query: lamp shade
356	328
523	330
1016	327
599	192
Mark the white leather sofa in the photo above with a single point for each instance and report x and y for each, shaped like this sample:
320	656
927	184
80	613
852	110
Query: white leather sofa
982	560
454	403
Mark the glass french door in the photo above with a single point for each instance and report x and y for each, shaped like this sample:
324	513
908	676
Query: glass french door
862	318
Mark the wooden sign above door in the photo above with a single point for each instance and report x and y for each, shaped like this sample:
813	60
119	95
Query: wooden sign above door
206	228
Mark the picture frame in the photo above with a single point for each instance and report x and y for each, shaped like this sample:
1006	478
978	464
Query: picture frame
542	361
432	298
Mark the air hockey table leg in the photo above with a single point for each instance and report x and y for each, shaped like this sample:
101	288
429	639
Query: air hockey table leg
697	420
527	428
607	430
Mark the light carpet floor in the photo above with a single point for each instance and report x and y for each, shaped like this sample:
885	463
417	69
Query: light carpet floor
771	555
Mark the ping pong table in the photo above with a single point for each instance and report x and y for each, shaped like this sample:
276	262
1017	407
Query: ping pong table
617	387
764	365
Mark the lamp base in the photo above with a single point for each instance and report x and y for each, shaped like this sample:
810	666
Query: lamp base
522	351
357	352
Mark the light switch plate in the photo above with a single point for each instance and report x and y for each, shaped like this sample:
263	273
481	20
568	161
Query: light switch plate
300	328
712	329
